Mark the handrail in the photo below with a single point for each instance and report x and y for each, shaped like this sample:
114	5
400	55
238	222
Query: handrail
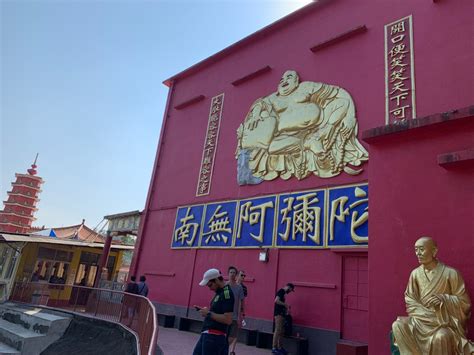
132	311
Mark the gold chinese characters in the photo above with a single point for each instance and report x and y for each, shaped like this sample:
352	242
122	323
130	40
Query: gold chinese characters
210	146
332	217
399	71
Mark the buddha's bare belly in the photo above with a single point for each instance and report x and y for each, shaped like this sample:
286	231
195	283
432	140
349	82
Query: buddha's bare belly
298	116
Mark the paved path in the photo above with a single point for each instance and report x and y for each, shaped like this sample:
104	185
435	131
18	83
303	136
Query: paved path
176	342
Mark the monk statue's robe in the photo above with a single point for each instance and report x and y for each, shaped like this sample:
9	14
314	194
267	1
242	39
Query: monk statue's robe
433	330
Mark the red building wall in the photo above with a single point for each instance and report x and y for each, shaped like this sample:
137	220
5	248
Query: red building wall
424	198
443	74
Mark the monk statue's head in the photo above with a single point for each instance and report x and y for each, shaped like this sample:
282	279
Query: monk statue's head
426	250
288	82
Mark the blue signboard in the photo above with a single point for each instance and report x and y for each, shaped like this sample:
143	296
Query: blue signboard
326	218
218	225
256	220
348	215
187	227
301	219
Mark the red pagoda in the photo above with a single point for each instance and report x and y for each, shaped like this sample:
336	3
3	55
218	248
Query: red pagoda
20	206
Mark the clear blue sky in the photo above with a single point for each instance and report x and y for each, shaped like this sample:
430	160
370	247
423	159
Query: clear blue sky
81	83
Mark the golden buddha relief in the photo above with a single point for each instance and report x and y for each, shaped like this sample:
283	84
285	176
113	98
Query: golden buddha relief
302	129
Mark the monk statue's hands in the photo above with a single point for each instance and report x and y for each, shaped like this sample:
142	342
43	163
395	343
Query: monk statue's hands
434	301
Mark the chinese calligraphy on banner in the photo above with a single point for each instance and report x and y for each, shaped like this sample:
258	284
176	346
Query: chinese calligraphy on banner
187	228
256	222
210	146
348	216
218	225
324	218
301	219
399	71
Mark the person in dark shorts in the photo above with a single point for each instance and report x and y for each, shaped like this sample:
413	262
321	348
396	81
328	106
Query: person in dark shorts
280	310
217	318
239	307
129	302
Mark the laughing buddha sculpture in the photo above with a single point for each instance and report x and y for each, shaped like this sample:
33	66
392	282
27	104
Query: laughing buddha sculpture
302	129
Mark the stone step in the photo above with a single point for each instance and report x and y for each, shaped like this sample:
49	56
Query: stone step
35	319
7	350
348	347
22	339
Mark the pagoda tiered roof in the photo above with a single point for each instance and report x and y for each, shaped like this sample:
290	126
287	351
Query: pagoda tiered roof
10	223
31	207
37	188
11	213
22	218
11	193
29	176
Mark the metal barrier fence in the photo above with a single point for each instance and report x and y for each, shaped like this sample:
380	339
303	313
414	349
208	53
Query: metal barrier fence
112	285
133	311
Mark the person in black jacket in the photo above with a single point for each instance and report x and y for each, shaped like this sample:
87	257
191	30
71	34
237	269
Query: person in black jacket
280	310
142	286
132	286
129	302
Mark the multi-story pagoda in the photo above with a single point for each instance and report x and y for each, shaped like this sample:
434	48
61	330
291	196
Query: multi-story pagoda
20	206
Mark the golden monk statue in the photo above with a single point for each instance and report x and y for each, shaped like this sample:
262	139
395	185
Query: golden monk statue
438	308
302	129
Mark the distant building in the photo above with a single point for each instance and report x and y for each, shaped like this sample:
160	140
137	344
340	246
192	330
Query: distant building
123	228
63	255
20	206
75	232
126	223
51	259
82	233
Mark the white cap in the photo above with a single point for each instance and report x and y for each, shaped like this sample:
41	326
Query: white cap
209	275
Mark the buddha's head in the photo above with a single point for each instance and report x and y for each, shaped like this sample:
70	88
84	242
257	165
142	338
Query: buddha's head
288	82
426	250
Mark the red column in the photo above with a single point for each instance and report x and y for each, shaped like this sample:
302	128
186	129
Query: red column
103	259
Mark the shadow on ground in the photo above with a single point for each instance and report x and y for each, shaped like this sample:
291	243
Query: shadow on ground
86	336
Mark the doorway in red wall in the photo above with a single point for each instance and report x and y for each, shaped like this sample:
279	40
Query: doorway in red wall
355	298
